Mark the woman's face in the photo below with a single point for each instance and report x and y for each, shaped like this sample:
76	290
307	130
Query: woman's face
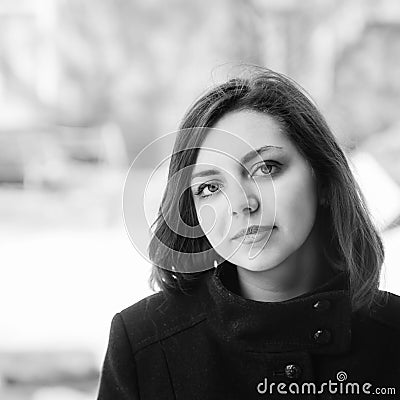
272	190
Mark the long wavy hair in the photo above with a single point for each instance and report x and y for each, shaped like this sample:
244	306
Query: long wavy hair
350	240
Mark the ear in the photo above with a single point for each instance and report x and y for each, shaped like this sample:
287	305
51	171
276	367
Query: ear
322	196
314	175
321	193
322	200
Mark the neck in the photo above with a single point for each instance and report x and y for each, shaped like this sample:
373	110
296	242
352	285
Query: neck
300	273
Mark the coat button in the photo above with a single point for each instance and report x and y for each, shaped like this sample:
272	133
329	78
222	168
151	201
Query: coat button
322	336
292	371
322	305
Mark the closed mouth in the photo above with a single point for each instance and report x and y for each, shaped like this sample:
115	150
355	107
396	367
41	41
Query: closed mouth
253	231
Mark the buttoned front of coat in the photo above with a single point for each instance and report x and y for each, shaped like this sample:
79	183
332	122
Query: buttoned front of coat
215	344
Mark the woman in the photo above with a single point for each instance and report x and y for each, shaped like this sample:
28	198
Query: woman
259	189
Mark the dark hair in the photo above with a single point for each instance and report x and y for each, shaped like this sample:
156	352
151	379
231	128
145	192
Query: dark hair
351	241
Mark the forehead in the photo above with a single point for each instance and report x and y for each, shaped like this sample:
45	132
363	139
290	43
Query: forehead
239	133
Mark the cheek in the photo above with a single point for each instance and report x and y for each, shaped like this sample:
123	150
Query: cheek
214	221
298	204
207	217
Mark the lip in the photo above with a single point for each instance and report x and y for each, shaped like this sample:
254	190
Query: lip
253	233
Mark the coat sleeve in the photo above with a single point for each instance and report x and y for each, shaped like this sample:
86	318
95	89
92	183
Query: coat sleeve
118	380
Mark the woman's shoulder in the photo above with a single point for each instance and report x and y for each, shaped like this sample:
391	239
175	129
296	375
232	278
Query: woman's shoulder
387	310
160	315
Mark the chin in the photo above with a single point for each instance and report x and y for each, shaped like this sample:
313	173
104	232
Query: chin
265	260
257	265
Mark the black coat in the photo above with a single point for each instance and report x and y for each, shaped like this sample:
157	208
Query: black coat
215	344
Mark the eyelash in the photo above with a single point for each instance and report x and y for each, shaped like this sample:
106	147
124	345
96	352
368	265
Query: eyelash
203	186
269	163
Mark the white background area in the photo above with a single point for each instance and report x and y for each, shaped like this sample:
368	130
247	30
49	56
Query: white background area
61	287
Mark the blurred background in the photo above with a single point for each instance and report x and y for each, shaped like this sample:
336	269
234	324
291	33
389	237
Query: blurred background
86	84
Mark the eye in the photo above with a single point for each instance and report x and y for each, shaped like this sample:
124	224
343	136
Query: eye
264	169
207	189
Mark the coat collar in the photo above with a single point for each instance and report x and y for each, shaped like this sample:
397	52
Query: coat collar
318	321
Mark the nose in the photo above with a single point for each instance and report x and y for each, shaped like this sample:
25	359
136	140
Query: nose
244	202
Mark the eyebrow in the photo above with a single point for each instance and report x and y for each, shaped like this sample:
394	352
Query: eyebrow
253	153
206	172
245	159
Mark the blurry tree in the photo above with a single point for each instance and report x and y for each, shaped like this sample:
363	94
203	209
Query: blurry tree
137	63
367	92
